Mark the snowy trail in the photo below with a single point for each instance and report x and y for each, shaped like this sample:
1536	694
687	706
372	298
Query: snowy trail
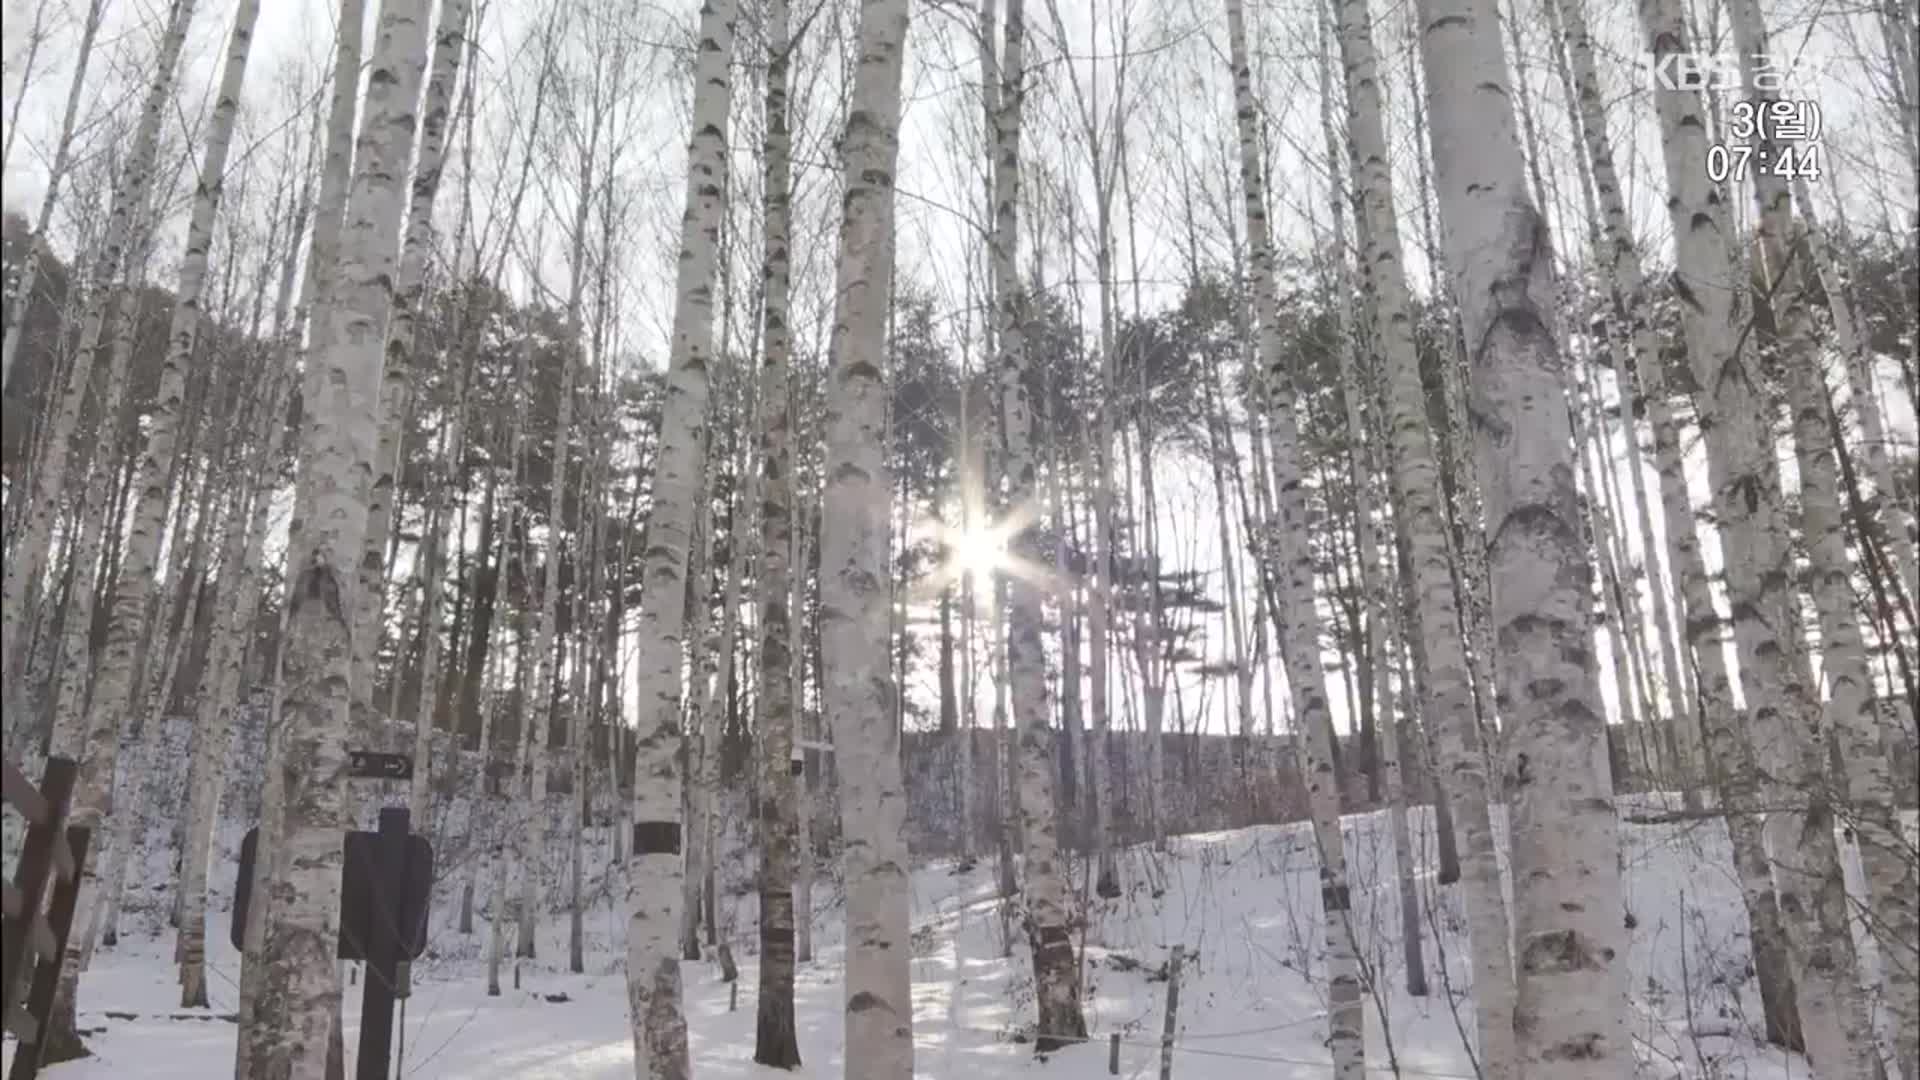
1242	902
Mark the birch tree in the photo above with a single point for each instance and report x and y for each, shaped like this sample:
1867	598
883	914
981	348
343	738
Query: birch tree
1570	948
397	373
27	559
1889	864
219	686
1375	578
534	709
1714	312
92	738
240	561
774	1037
1047	896
338	436
857	695
1449	702
260	1030
29	275
1630	304
1291	567
654	870
1630	312
115	691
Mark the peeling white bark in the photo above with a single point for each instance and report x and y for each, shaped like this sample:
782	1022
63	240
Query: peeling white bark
775	1041
27	559
1048	899
1569	1015
139	589
654	869
219	687
29	275
858	697
396	384
1291	566
1715	310
340	398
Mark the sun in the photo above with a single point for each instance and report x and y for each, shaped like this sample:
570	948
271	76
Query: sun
977	553
987	547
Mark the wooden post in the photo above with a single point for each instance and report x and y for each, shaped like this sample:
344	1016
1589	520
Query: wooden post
388	878
1113	1054
46	973
35	940
1173	1009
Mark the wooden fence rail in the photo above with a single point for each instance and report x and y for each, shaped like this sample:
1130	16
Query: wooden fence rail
39	904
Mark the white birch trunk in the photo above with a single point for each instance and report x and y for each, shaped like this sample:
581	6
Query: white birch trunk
1596	524
703	723
500	864
858	697
483	818
1449	704
1376	578
29	275
1290	563
1715	308
1631	304
1099	598
1894	518
90	737
115	697
1829	960
537	703
654	870
1888	862
288	321
1683	124
803	796
775	1042
1569	1015
396	384
340	398
969	683
719	692
253	1050
1048	898
27	559
219	687
1869	807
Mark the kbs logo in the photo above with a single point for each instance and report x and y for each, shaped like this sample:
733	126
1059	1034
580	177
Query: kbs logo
1724	72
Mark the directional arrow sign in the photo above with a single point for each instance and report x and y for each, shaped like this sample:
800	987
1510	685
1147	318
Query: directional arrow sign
373	765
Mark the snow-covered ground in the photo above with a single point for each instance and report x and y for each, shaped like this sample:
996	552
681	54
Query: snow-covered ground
1243	903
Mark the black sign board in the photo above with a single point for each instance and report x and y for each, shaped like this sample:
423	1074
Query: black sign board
385	886
243	888
374	765
361	890
365	895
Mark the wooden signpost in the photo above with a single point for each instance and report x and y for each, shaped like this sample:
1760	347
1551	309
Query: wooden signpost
386	884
